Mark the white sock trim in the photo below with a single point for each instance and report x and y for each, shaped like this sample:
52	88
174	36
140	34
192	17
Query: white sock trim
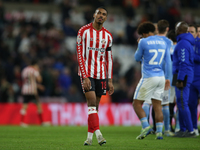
92	110
22	112
98	132
90	135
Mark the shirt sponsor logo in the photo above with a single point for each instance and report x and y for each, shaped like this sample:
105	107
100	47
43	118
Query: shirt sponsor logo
96	49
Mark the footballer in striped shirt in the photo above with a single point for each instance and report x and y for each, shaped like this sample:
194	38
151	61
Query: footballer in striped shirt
31	83
95	62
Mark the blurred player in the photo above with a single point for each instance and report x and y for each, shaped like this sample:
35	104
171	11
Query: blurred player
163	28
183	63
171	35
31	83
195	86
95	65
198	30
152	50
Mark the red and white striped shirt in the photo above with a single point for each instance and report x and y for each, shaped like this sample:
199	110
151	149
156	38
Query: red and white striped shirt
94	52
29	86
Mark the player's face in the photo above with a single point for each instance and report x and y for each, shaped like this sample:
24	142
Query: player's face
100	16
198	32
192	30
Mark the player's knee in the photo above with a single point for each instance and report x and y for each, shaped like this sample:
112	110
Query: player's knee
136	104
91	103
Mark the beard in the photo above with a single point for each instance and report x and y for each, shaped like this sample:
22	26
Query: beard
99	23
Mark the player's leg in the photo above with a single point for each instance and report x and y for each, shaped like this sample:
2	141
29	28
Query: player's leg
153	119
166	113
92	116
171	106
158	117
184	112
100	89
177	126
91	103
193	101
137	105
156	102
39	109
23	110
172	113
143	92
146	108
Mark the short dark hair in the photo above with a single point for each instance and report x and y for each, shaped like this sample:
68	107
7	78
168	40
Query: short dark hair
193	25
145	28
101	7
162	26
172	35
197	25
181	27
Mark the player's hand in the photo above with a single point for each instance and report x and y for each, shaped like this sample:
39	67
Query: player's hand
86	84
40	87
179	84
111	88
167	84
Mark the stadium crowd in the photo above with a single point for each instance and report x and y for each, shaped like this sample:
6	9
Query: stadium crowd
24	36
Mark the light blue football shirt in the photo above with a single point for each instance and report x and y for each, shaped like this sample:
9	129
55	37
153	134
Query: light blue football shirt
153	51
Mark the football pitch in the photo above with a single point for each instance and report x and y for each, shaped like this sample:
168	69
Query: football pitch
73	137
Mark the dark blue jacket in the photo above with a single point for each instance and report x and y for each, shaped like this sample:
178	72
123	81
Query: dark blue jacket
183	57
197	60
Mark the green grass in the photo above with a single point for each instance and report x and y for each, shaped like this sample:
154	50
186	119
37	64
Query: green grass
72	138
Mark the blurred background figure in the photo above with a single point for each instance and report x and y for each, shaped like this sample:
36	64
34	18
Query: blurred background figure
31	84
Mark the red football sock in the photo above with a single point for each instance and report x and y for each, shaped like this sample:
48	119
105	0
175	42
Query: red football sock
90	127
93	119
22	118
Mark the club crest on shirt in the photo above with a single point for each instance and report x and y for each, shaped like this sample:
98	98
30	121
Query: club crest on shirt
78	39
103	41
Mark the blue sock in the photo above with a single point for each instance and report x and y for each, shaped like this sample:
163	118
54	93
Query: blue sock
166	117
159	126
146	107
144	122
177	126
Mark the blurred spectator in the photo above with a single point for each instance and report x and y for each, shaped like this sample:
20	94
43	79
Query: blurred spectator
24	45
120	94
65	7
6	91
2	15
88	14
68	29
130	32
128	9
65	81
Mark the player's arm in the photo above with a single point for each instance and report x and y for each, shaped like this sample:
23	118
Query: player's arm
81	61
183	57
168	68
39	81
109	67
139	51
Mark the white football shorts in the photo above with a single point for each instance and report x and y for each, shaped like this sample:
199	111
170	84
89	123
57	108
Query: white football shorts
150	88
165	98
